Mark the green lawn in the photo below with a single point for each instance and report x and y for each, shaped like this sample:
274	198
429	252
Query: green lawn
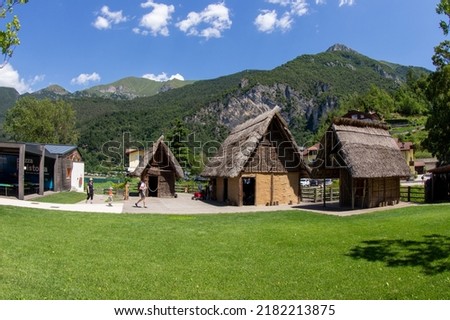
62	197
396	254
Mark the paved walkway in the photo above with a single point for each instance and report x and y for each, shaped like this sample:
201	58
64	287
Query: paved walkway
183	205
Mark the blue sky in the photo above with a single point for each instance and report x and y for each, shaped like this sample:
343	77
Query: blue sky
79	44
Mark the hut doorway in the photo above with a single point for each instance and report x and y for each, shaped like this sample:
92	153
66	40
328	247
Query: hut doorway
225	189
153	186
248	191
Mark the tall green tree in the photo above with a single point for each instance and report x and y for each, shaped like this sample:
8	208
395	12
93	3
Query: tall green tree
438	122
438	92
8	37
441	55
178	139
410	98
43	121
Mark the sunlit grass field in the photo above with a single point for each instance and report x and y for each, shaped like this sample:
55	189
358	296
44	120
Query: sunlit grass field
62	197
395	254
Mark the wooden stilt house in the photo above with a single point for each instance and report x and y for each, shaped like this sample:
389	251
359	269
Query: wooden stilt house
258	164
159	169
366	159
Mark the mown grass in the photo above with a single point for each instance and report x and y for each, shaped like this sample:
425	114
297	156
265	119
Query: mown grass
61	197
397	254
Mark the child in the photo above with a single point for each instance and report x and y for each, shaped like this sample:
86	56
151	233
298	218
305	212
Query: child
110	196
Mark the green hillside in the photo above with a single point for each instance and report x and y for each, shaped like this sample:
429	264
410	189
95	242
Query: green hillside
306	88
8	96
317	78
133	87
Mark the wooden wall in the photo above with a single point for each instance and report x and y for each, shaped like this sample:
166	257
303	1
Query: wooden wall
368	193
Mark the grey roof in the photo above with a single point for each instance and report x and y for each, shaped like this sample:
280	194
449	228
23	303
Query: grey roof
59	149
51	150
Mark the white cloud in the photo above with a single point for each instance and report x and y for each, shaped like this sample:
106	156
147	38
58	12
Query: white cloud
346	2
36	79
157	20
101	23
163	77
209	23
280	2
9	77
299	8
107	18
269	21
320	2
84	78
266	21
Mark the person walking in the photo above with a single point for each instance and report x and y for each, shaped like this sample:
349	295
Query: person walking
90	190
110	196
142	190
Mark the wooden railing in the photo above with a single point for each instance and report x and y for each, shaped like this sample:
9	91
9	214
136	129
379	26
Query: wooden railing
316	194
412	194
183	189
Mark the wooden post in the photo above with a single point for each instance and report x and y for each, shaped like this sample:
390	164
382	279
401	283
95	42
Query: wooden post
271	189
364	194
41	170
21	177
57	175
409	193
324	194
240	192
353	194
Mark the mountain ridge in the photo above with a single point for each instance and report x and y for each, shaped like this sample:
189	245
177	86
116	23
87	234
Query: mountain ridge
132	87
306	88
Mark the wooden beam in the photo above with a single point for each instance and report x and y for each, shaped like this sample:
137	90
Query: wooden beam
21	177
41	170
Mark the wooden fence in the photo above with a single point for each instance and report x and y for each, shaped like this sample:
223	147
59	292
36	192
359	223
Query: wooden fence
316	194
412	194
184	189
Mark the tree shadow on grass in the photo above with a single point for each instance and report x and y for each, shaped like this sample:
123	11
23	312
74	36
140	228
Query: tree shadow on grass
432	253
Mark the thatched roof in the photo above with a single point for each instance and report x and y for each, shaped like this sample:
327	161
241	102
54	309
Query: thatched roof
149	157
365	149
242	142
441	170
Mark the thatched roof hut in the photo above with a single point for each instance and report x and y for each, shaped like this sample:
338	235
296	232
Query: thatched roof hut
258	163
366	159
160	169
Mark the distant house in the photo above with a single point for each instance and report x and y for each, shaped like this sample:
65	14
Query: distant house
310	154
366	159
423	165
407	149
27	168
258	164
362	116
135	156
159	169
